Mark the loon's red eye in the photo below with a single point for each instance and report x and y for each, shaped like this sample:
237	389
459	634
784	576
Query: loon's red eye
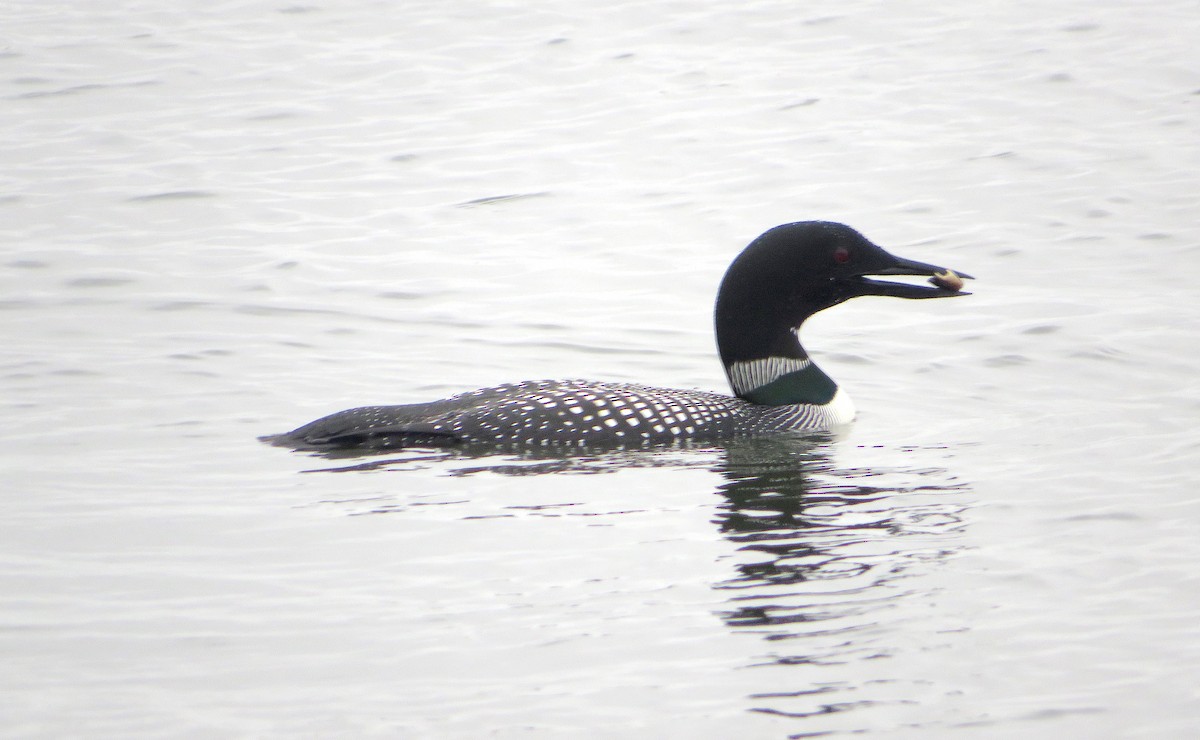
841	255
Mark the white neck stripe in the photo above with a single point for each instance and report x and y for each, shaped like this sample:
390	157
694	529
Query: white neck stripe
748	375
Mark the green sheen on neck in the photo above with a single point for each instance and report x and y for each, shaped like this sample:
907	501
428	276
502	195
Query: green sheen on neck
809	385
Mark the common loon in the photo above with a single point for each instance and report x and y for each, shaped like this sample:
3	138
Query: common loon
779	280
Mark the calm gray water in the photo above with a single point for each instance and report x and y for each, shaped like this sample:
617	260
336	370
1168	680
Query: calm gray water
221	220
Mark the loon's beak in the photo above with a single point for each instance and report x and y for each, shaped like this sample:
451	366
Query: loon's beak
945	283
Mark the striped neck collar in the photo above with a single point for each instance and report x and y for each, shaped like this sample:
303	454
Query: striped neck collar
779	381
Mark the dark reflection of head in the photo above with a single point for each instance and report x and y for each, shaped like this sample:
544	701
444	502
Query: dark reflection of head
819	541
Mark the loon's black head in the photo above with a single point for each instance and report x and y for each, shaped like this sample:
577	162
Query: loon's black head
791	272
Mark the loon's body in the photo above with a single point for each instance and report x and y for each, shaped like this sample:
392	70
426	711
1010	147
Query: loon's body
778	281
563	413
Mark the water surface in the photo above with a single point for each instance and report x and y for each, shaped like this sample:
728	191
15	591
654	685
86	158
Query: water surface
221	221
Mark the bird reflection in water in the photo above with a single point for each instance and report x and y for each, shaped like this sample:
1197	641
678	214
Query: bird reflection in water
813	522
825	557
825	552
